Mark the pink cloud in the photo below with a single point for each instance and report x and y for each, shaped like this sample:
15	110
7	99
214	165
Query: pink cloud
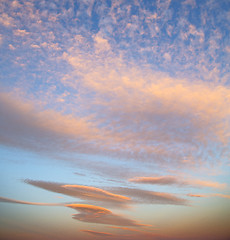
88	193
208	184
173	180
114	197
8	200
210	195
196	195
162	180
220	195
97	193
151	197
7	20
95	214
167	132
100	234
87	213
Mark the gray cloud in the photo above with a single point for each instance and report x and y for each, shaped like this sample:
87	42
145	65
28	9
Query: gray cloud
8	200
94	214
151	197
179	181
91	194
100	234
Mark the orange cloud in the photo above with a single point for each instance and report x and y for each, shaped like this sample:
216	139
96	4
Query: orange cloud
210	195
88	213
21	32
220	195
172	180
96	193
208	184
6	20
95	214
116	199
168	131
131	229
101	234
151	197
84	192
196	195
163	180
8	200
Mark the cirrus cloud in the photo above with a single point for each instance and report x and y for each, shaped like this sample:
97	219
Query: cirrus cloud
173	180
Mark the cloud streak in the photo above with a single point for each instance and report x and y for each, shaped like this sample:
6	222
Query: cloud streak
151	197
100	234
173	180
210	195
9	200
92	194
114	197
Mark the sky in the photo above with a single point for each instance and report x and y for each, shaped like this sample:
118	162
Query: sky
115	119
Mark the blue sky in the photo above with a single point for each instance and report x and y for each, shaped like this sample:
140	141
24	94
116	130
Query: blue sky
117	113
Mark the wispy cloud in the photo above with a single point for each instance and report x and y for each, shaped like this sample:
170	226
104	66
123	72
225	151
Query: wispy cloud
96	192
95	214
100	234
120	196
151	197
173	180
221	195
88	193
8	200
88	213
210	195
196	195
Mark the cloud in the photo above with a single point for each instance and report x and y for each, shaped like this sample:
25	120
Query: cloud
43	131
6	20
8	200
163	180
92	194
168	132
88	213
21	33
196	195
120	197
173	180
210	195
132	229
151	197
208	184
95	214
220	195
124	108
96	192
174	114
100	234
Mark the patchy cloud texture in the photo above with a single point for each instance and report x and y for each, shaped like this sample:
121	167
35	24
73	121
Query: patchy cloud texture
126	94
